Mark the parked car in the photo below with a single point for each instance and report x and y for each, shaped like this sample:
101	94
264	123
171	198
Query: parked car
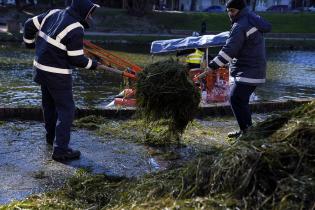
214	8
311	9
278	8
301	9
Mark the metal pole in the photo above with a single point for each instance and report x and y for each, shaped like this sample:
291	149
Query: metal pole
207	57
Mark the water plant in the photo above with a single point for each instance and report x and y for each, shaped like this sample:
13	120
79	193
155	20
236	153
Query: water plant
164	92
91	122
272	167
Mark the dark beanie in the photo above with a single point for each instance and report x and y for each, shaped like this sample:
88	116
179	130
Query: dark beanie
237	4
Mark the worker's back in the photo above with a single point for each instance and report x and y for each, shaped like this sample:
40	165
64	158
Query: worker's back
59	44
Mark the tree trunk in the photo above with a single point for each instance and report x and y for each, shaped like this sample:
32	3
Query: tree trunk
140	7
254	2
18	5
193	5
125	4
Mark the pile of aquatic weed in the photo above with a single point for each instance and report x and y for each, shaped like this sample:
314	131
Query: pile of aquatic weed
164	92
138	130
272	167
91	122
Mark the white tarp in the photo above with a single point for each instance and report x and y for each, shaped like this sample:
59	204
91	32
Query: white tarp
205	41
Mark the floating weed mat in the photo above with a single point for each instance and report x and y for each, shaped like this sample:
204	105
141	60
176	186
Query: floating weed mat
164	92
197	135
157	133
137	130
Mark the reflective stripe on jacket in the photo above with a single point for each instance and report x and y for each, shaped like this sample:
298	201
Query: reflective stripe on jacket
195	57
245	49
59	43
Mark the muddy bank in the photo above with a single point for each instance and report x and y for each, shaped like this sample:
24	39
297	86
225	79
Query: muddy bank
26	166
271	167
211	110
114	148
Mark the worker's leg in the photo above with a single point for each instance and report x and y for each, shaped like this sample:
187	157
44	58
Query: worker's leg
239	100
50	114
65	110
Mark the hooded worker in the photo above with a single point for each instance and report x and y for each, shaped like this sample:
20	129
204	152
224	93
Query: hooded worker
59	48
245	52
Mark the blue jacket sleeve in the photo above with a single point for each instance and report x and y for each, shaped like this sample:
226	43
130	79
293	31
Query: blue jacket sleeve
31	27
74	44
231	48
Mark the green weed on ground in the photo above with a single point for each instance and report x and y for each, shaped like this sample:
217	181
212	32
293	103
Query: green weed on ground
272	167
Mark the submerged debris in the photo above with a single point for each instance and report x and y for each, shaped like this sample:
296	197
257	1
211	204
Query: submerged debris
164	92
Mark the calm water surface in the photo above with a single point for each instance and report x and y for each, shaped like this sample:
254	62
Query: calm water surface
290	75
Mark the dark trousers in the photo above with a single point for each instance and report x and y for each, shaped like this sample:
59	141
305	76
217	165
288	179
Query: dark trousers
239	100
58	109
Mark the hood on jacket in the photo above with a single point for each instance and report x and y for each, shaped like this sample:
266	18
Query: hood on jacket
240	14
82	8
254	19
257	21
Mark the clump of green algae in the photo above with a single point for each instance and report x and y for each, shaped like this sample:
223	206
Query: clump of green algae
165	92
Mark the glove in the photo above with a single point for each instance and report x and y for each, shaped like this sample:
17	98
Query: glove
203	74
196	79
99	66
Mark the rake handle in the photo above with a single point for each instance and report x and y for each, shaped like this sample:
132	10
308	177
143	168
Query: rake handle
116	71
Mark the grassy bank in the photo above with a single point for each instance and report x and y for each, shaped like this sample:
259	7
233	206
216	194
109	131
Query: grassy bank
282	23
144	42
159	21
290	44
110	20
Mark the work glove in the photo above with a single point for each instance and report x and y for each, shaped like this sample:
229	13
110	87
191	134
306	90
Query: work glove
199	77
98	67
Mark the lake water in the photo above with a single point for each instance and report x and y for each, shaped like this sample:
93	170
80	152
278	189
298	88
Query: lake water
290	75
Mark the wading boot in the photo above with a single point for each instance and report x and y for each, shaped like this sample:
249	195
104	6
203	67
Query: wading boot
50	141
68	154
50	138
235	134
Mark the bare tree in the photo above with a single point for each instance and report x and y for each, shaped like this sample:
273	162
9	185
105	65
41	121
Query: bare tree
18	5
254	2
140	7
193	5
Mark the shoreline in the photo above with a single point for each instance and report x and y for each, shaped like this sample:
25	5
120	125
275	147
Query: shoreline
213	110
303	42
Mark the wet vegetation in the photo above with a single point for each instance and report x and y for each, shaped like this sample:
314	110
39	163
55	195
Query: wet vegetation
272	167
14	55
91	122
164	92
152	134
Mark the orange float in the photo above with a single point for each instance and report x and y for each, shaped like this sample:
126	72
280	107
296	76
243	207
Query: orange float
216	84
125	102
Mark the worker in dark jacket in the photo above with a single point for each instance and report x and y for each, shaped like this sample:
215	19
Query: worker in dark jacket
57	36
245	52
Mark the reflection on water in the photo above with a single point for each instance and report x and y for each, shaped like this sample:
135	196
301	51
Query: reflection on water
291	74
90	88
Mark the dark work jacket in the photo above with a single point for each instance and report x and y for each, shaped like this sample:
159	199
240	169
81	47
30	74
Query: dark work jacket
245	49
57	36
